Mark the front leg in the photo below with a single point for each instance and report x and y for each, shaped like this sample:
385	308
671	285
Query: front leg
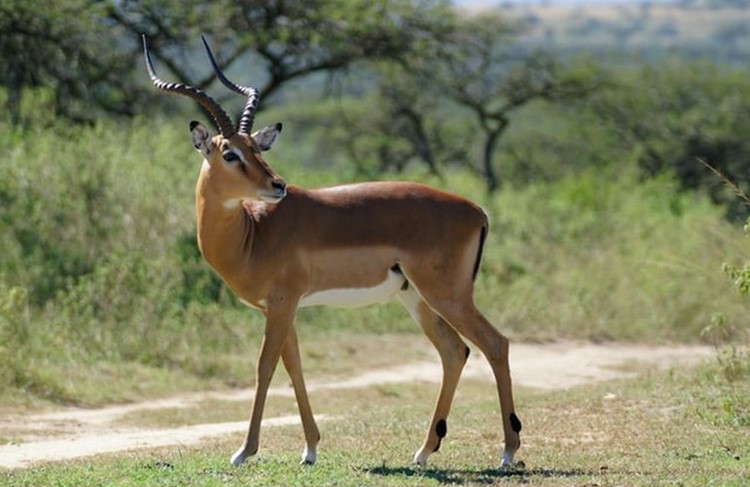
293	364
279	320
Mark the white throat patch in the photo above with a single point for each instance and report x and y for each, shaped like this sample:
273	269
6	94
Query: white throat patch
232	204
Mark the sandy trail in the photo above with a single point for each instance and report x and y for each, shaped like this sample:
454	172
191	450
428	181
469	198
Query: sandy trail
85	432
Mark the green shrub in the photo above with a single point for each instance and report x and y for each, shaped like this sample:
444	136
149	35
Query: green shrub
117	311
740	275
14	335
731	336
607	257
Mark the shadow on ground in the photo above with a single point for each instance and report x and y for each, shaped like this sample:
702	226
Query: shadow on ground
479	476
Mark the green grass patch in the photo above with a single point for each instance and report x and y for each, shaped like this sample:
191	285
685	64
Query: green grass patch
679	427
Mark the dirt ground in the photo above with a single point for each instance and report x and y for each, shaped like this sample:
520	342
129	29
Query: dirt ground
74	432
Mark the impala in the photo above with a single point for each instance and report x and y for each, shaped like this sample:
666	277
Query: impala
281	247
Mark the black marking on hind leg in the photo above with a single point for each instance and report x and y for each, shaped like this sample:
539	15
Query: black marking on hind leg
468	351
441	429
515	423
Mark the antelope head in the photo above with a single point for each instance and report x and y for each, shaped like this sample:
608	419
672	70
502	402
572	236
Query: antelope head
232	158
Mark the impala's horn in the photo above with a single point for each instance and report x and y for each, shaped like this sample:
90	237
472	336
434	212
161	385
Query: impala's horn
223	122
252	94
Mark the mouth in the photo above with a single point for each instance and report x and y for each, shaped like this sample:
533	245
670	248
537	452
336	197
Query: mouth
273	196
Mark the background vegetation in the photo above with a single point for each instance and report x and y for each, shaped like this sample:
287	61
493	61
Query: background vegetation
604	224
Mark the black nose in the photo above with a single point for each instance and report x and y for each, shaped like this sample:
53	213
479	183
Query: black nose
278	185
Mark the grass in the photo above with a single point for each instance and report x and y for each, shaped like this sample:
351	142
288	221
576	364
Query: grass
664	428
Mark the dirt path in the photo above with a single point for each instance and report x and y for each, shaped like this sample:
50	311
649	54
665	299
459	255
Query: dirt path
74	432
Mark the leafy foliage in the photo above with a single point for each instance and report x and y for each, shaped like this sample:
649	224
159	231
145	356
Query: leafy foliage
740	275
59	46
674	115
14	335
65	46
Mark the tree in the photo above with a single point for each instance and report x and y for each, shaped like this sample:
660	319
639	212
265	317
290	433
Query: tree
277	41
57	45
68	45
481	69
298	38
401	121
457	89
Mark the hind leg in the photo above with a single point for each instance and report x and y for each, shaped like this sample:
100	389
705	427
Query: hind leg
449	294
471	324
453	354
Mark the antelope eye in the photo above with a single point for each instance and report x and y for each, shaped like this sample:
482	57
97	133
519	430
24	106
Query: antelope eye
230	156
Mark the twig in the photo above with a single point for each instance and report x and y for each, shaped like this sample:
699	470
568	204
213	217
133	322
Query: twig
727	182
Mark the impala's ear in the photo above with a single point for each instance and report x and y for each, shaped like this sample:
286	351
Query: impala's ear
266	136
201	138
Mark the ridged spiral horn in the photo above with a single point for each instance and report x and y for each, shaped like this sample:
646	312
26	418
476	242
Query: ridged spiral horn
252	94
223	122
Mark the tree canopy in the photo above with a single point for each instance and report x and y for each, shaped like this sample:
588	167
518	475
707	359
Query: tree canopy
86	51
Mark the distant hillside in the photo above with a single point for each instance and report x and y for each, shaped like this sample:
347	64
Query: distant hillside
648	30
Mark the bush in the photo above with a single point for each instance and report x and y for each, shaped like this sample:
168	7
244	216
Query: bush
14	317
733	358
607	256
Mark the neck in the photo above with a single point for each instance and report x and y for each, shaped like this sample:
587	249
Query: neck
225	231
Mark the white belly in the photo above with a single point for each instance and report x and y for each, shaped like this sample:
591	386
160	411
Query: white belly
356	297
